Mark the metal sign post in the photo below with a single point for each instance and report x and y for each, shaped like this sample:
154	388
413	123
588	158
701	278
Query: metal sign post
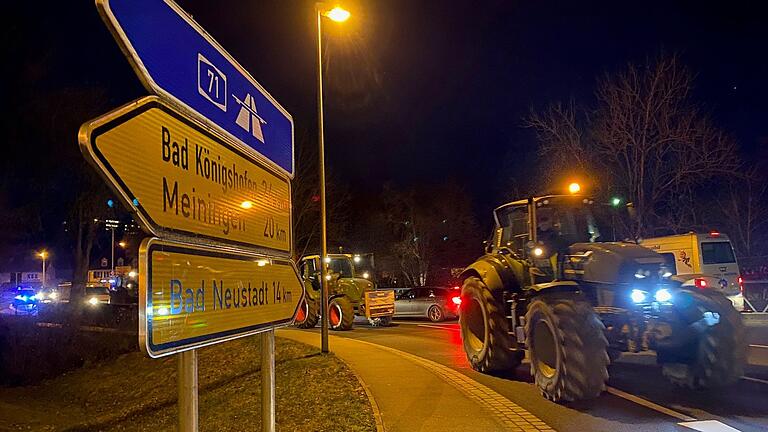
268	381
187	382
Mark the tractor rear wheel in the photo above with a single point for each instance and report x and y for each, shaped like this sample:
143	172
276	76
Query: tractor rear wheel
308	315
567	347
341	314
485	329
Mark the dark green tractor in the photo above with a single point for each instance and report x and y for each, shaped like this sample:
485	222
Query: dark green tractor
547	285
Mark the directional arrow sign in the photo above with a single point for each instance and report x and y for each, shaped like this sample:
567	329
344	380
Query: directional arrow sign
181	179
192	296
175	58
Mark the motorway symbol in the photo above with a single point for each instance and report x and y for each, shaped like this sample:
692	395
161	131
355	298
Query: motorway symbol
193	296
248	119
183	180
177	59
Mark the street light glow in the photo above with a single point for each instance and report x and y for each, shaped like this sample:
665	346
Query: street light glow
574	188
123	244
338	14
43	254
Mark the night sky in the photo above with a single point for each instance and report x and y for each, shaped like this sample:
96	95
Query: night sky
423	91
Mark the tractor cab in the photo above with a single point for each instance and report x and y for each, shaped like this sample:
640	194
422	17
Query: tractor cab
540	228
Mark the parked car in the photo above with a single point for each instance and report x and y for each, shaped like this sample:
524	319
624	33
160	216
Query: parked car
25	301
435	303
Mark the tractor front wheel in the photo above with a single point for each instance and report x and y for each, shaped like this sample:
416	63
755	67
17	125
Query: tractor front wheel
484	329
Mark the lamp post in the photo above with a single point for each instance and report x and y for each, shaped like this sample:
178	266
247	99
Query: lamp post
43	255
336	14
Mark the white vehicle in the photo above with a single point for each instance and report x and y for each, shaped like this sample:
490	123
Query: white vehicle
707	258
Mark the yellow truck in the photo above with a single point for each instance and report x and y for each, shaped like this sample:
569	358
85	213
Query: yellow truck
704	260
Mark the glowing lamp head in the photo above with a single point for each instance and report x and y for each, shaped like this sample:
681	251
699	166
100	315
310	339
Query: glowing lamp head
637	296
366	275
663	296
537	251
338	14
132	274
574	188
246	204
356	259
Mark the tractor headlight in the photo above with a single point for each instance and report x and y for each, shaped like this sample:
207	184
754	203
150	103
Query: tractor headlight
663	296
638	296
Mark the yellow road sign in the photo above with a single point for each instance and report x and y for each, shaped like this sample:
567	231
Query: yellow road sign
179	177
192	296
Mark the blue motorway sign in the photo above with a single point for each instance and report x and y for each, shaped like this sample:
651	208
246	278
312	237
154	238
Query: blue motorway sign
177	60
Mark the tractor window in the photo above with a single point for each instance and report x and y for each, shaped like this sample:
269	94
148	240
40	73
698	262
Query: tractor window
341	266
309	267
514	224
565	222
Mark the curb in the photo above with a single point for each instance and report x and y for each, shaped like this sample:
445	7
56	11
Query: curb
510	414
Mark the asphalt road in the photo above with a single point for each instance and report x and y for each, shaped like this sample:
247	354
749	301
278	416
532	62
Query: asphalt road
639	398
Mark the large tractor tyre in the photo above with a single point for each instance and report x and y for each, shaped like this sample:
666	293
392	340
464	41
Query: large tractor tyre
567	346
719	353
485	329
308	315
341	314
435	314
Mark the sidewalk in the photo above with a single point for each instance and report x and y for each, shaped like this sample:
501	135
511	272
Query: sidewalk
415	394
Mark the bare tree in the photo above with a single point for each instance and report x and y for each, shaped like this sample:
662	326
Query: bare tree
644	138
306	202
430	227
744	212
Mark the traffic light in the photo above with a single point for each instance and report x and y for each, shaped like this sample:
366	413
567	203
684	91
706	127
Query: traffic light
615	201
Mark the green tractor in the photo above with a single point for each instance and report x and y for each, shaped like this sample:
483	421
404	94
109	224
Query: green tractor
546	285
348	294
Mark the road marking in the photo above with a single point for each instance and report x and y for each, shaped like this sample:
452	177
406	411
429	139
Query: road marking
511	415
757	380
709	426
439	327
648	404
759	346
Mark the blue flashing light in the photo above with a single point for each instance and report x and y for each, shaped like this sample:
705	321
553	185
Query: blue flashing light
110	203
136	202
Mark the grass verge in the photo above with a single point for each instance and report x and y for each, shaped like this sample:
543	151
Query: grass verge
314	393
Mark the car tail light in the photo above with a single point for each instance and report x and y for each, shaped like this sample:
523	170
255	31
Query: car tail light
700	283
741	284
456	300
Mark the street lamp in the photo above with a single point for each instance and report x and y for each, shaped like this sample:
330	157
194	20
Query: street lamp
336	14
43	255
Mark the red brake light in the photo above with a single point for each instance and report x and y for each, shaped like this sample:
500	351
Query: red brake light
714	233
456	300
456	287
700	283
741	284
